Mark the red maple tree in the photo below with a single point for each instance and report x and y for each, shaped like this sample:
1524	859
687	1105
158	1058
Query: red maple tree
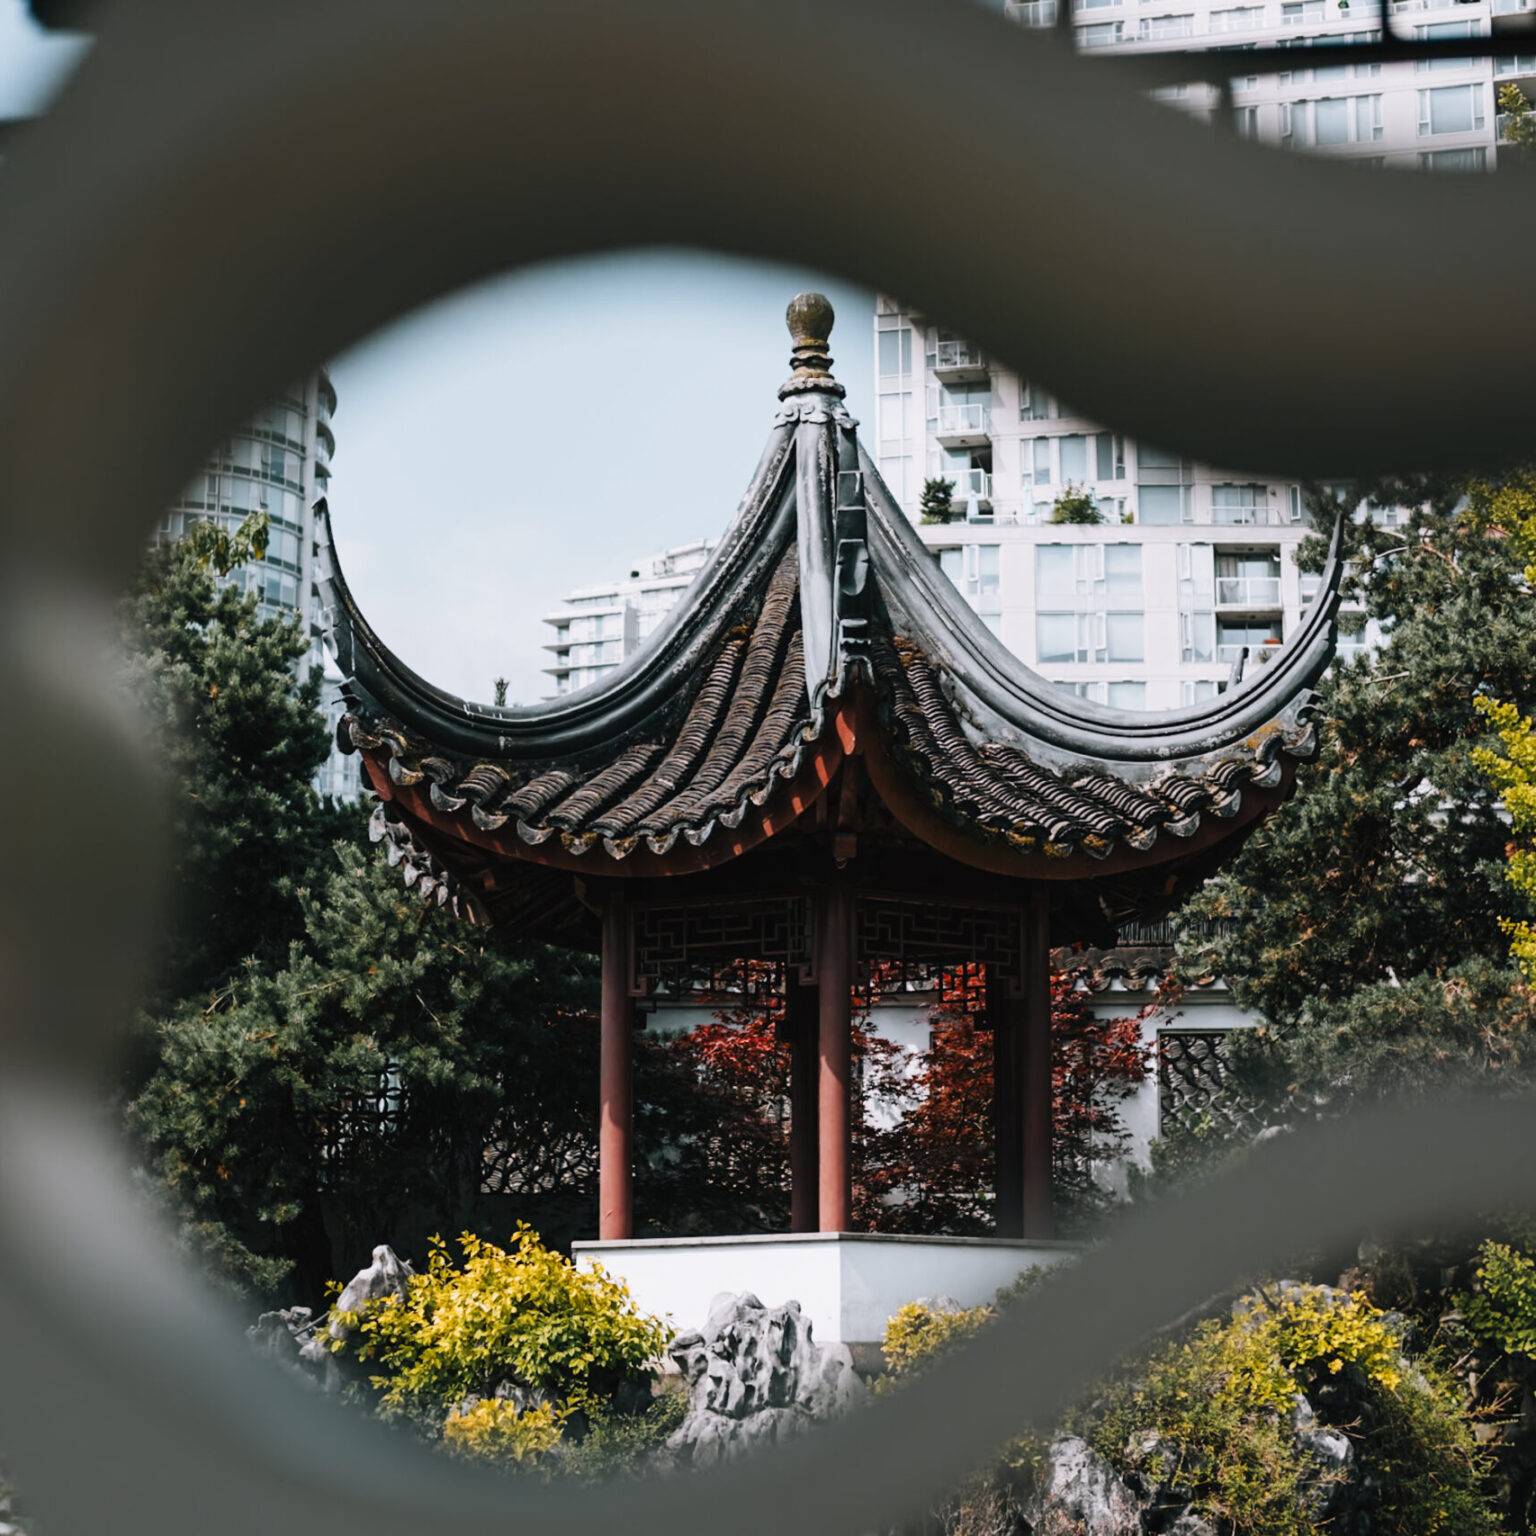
923	1151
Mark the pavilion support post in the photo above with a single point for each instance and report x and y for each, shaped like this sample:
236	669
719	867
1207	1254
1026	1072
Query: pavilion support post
835	1075
1005	1015
802	1029
1039	1219
616	1057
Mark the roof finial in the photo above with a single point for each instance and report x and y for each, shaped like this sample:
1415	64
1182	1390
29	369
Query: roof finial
809	318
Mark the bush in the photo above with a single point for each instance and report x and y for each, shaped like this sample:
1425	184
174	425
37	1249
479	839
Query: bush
937	503
918	1332
524	1317
497	1429
1501	1310
1222	1400
1076	505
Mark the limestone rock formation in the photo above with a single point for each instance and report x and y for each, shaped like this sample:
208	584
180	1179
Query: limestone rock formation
755	1375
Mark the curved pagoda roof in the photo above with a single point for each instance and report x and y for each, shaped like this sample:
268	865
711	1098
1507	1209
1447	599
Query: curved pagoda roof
820	631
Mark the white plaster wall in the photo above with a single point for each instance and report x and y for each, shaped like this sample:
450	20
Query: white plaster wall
848	1285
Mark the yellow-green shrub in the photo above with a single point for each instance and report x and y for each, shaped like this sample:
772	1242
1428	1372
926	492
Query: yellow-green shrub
494	1430
1502	1310
521	1313
917	1332
1221	1400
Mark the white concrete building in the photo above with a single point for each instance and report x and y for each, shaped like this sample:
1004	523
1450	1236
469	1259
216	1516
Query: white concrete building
596	627
1192	568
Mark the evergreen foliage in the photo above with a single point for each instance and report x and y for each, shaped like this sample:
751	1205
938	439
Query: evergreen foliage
937	502
1364	921
241	741
262	1114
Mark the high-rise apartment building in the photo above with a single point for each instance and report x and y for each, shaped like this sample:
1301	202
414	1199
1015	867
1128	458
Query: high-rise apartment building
596	627
279	462
1189	570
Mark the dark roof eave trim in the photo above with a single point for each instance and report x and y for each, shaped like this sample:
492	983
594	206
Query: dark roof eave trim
645	684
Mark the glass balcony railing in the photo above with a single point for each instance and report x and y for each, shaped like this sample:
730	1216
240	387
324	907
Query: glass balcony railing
953	356
1246	516
972	485
1247	655
1032	13
1248	591
971	420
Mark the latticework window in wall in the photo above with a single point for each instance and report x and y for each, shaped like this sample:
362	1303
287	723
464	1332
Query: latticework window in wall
1193	1079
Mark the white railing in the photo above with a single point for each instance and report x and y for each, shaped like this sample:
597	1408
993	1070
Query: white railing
1249	517
973	420
1165	29
1033	13
1249	591
957	354
1248	19
1087	36
1254	655
973	485
1304	19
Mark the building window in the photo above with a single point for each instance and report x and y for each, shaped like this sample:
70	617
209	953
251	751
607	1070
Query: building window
1332	120
1236	637
1162	28
1239	504
1296	13
1438	30
1123	637
1250	580
1102	34
1035	403
1110	451
1197	602
1241	18
1451	109
894	348
1085	595
1196	690
1454	160
1162	505
1037	461
896	415
1074	459
1126	695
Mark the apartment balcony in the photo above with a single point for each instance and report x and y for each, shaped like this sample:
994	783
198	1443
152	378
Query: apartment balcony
1032	13
1244	657
964	426
1248	517
958	362
1248	592
1512	15
973	492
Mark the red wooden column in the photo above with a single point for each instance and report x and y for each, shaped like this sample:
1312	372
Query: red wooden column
615	1193
1005	1017
835	1013
802	1030
1039	1220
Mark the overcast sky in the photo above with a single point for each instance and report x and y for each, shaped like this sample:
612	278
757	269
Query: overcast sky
536	433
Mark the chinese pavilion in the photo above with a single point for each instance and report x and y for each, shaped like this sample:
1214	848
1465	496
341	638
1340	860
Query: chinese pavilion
822	763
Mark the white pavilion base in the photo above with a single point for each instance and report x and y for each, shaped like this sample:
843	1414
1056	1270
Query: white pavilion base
847	1283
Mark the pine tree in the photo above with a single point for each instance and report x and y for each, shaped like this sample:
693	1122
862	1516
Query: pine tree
1363	920
241	739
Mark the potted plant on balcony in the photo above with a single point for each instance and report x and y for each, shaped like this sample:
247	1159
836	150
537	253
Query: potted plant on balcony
937	503
1076	505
